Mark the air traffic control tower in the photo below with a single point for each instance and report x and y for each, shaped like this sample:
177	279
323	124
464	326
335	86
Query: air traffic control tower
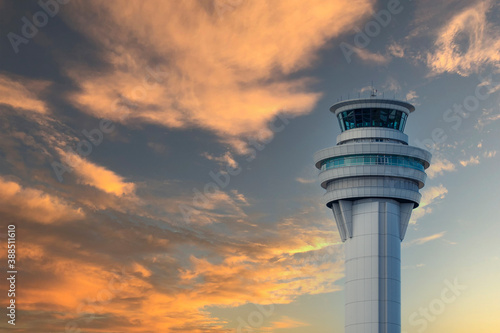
372	179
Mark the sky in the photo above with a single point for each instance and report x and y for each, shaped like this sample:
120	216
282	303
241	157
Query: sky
156	160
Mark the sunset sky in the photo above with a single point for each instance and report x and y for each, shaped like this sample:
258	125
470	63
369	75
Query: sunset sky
156	159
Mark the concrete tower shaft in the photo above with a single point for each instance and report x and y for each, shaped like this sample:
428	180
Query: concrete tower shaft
372	179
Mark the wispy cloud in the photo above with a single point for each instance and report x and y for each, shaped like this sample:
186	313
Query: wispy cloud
467	42
371	57
34	204
284	322
141	273
429	196
439	166
251	76
473	160
487	117
202	208
411	96
305	180
22	93
490	154
396	50
423	240
392	84
226	159
157	147
89	173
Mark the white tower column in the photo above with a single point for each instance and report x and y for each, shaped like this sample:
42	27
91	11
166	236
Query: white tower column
373	268
372	179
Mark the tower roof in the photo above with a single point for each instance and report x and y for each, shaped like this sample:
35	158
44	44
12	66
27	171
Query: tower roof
371	102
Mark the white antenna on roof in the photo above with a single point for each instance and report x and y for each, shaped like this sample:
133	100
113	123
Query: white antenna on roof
374	91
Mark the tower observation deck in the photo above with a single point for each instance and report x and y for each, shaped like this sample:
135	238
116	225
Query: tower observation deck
372	179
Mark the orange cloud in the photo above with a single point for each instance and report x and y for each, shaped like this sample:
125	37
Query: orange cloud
176	64
135	279
86	294
21	93
97	176
284	322
259	281
34	205
222	70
